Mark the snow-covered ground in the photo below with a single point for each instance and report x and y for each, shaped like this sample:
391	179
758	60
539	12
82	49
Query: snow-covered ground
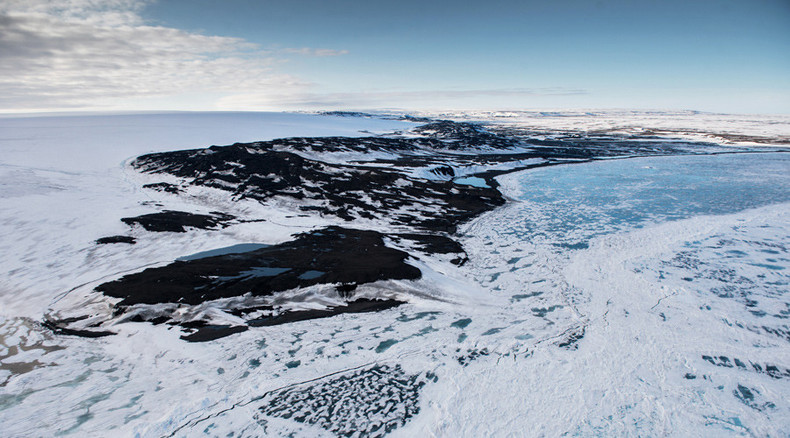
95	143
726	129
627	297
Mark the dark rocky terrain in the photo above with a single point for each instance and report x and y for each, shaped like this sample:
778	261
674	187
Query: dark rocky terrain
342	257
179	221
116	239
332	255
345	191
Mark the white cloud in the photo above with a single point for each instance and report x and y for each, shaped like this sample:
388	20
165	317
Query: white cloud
59	54
302	99
101	54
307	51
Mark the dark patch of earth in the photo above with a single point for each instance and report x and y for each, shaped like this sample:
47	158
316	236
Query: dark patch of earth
342	255
116	239
254	171
179	221
361	305
163	187
339	256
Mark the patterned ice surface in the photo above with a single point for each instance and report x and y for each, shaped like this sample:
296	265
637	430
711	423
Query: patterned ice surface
371	401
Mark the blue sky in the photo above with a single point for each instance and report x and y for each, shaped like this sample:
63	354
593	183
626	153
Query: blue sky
721	56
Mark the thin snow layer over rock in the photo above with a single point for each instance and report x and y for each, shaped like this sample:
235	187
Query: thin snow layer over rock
348	192
615	297
318	274
729	129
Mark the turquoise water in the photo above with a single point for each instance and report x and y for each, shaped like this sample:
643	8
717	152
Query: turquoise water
472	181
311	275
571	204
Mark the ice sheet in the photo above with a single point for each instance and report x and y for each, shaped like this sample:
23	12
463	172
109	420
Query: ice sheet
605	299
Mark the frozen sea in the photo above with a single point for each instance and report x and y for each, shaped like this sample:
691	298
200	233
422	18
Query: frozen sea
674	271
637	297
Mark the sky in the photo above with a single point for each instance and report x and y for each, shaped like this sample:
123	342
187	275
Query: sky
284	55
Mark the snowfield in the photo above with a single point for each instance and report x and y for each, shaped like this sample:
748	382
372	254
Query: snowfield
601	296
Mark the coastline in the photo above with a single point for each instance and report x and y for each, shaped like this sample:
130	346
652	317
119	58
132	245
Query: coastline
459	324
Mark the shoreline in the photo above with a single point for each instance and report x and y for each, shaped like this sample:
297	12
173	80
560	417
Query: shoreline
504	333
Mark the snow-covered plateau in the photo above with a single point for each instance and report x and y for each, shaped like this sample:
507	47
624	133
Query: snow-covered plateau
582	273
